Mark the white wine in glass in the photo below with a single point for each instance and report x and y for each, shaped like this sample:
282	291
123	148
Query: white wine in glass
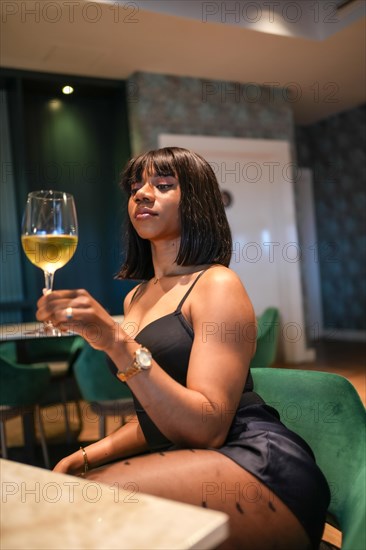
49	234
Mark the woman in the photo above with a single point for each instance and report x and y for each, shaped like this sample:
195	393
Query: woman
201	435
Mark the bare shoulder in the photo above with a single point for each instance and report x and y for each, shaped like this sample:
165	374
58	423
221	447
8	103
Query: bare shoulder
221	290
221	278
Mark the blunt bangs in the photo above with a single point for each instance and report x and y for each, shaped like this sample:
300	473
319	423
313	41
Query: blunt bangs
155	163
205	236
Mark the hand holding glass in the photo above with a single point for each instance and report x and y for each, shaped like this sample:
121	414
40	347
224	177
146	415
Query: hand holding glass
49	233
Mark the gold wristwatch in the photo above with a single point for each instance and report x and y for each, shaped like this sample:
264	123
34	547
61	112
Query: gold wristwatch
142	361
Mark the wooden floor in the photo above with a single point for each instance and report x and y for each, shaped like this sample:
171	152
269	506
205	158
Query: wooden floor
347	359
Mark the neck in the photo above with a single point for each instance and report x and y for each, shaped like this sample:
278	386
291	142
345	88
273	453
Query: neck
168	275
164	254
179	271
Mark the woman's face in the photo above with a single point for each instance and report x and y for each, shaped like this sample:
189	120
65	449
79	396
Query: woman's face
153	207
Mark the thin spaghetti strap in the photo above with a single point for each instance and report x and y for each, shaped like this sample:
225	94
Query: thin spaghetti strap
138	287
189	290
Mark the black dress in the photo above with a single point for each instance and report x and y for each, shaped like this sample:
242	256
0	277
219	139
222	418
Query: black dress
257	439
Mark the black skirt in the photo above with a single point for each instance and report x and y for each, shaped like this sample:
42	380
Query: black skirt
281	460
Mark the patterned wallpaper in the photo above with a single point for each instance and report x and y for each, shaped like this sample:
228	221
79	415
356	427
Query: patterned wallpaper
181	105
335	150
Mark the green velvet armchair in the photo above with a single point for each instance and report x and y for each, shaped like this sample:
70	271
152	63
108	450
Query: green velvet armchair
59	354
267	338
327	412
21	390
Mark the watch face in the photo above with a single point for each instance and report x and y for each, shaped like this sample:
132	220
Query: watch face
143	357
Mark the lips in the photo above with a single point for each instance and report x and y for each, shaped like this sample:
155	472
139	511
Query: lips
144	213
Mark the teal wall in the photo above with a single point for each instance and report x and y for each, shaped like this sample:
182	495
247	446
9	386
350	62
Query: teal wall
79	144
335	150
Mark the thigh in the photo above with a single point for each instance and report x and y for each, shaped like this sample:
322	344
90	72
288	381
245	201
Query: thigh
258	519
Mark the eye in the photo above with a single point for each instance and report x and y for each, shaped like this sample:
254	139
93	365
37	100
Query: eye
164	186
134	188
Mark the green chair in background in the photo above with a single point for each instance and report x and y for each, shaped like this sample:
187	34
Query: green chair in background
99	387
326	411
21	390
45	349
59	354
268	325
8	351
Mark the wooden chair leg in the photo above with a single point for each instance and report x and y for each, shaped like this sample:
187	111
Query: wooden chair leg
79	414
66	414
29	435
42	436
4	450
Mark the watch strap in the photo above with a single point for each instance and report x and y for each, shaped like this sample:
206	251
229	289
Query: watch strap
135	367
131	371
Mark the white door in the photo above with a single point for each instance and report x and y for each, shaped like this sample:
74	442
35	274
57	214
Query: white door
258	175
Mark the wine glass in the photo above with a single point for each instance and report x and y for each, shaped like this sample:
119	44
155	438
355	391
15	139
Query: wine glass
49	236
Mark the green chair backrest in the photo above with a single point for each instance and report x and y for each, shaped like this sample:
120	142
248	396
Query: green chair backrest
267	338
22	385
95	380
8	351
35	350
327	412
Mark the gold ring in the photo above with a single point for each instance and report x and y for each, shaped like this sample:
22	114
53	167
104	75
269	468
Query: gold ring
69	313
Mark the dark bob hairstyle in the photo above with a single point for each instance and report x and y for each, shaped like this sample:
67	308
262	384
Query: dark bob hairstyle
205	232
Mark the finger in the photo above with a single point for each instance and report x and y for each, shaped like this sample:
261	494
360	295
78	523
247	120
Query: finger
49	297
66	294
69	312
64	314
49	308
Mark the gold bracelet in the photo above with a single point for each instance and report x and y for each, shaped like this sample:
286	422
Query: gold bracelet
86	462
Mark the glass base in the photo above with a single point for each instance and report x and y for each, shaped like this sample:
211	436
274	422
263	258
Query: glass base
45	330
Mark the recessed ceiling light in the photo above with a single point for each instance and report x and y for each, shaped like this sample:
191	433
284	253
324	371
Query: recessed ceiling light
67	90
55	104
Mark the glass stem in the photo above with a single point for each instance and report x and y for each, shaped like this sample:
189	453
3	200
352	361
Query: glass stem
48	279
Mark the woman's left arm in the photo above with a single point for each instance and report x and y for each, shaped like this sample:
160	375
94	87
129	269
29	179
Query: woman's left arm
200	414
223	320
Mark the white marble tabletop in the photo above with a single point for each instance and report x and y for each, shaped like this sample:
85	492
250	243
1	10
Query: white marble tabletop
45	510
26	331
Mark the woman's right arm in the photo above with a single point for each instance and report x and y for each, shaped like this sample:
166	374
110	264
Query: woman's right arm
124	442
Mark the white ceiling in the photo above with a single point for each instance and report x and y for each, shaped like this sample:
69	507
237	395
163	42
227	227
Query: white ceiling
309	46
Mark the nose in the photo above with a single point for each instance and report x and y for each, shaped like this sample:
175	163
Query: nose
144	193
